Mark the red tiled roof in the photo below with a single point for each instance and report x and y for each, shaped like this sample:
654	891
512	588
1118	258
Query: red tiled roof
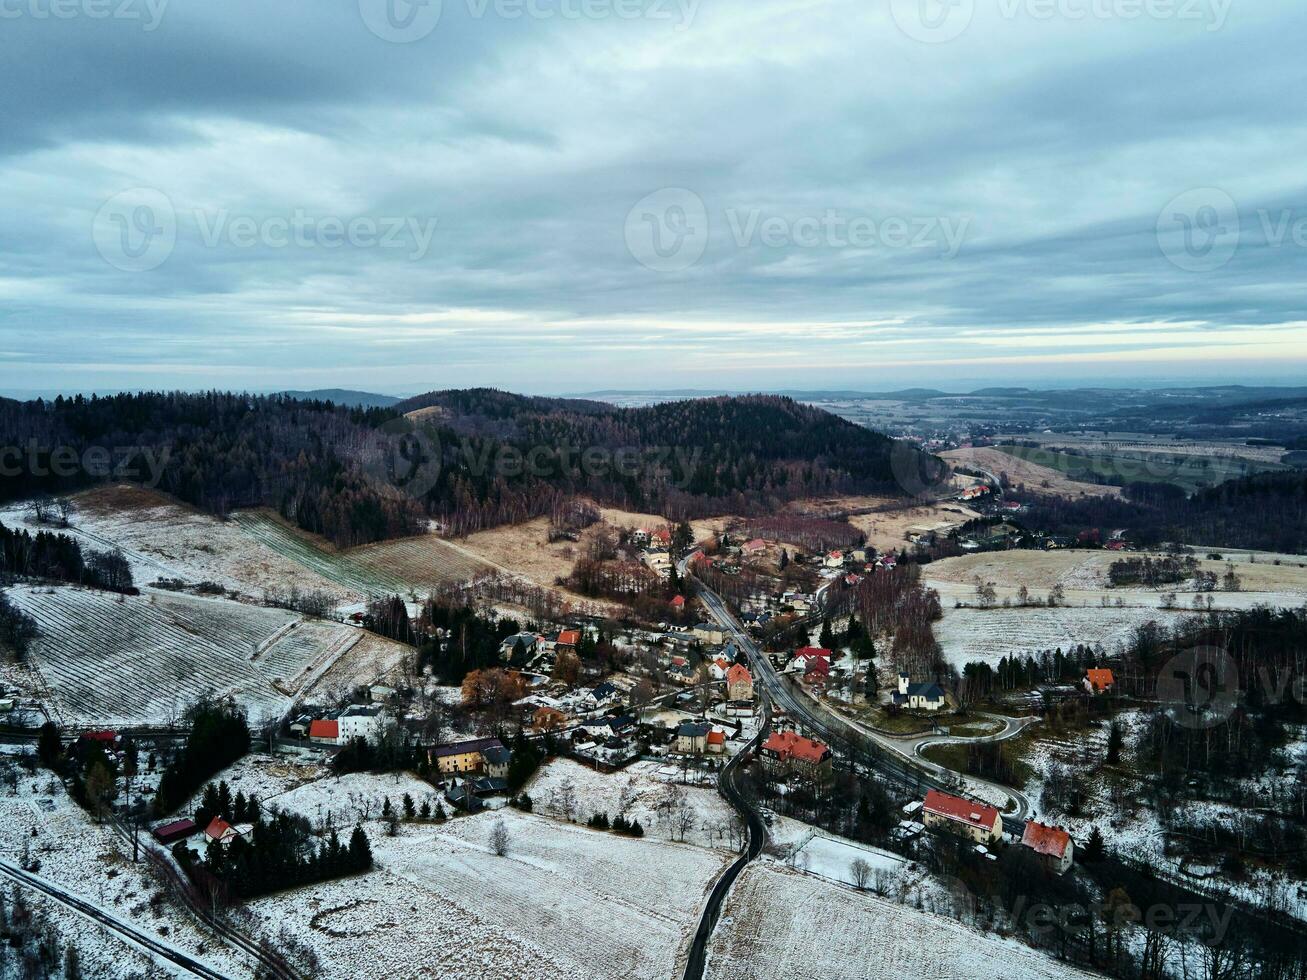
956	808
678	600
813	652
569	637
1100	678
104	736
757	544
737	673
792	745
716	738
324	729
1051	841
217	829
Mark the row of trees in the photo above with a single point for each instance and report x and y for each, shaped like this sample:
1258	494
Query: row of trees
60	558
219	736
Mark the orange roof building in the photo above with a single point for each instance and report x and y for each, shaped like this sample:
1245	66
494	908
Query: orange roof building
324	731
1052	844
955	814
1099	681
786	748
569	638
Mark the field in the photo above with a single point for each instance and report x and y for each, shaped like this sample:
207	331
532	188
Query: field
565	902
886	529
1033	475
402	566
782	925
137	660
164	538
600	792
1188	467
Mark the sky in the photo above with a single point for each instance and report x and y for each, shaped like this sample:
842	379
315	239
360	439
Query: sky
570	195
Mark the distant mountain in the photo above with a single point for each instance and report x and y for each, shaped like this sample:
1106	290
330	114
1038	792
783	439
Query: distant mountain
344	396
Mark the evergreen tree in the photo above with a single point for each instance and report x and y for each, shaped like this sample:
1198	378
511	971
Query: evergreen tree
360	850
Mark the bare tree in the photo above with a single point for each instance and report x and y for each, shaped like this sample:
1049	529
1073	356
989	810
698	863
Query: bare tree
499	838
861	872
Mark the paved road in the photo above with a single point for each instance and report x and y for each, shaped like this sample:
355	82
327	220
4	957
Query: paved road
151	945
726	785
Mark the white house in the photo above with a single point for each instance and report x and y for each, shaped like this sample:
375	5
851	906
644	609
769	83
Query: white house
919	697
360	721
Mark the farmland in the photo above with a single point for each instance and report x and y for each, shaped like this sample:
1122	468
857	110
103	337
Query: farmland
1187	467
779	924
401	566
124	660
1023	471
563	902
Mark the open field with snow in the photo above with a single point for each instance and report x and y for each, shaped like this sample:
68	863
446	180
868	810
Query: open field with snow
782	925
389	567
596	792
565	902
123	660
164	538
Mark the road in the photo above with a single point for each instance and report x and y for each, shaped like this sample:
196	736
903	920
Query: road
694	965
157	949
872	750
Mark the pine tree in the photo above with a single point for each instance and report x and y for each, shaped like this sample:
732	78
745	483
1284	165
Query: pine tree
425	812
1094	849
410	811
360	850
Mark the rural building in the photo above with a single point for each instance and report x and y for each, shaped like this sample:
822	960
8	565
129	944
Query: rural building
324	732
787	751
754	546
465	756
1099	681
171	833
918	697
548	719
496	760
220	832
692	737
956	815
1052	844
716	741
567	641
707	633
739	683
359	721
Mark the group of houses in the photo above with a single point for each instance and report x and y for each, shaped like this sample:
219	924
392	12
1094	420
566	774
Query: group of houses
983	825
342	725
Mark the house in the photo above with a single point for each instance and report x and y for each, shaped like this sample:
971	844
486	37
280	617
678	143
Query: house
718	668
785	751
708	633
171	833
324	732
496	759
567	641
359	721
754	546
1053	845
1099	681
692	737
465	756
739	683
519	649
918	697
601	695
974	493
662	537
716	741
677	603
834	560
681	673
381	693
220	832
956	815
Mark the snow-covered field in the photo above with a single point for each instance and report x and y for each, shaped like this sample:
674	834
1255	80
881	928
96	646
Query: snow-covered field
990	634
565	902
644	788
90	861
122	660
780	924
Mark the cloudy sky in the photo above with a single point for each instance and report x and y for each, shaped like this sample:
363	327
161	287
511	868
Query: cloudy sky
567	195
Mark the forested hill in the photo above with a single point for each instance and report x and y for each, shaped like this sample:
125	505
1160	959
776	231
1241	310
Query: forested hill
685	458
469	459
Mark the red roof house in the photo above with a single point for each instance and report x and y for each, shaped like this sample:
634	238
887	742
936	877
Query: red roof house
324	731
786	747
975	820
716	741
569	638
170	833
220	831
678	602
813	652
1099	681
1052	844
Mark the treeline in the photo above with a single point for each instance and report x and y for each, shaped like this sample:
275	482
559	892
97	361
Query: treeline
469	642
219	736
1267	512
320	465
49	555
278	853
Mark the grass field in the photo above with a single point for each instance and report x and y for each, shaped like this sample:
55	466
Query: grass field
1186	469
124	660
387	568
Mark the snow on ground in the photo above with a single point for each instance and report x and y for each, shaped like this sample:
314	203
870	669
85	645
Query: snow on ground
565	902
991	634
646	784
779	924
90	860
121	660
